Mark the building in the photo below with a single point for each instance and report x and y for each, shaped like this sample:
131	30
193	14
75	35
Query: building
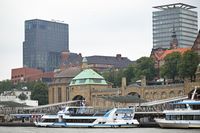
178	17
81	83
159	54
96	62
26	74
13	96
87	85
196	46
101	63
60	84
44	41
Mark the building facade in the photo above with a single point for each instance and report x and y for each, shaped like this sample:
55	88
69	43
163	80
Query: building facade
44	41
178	17
25	74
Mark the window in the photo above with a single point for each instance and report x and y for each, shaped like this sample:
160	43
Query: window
82	81
187	117
197	117
97	80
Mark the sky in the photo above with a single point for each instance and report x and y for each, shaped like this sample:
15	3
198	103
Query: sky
96	27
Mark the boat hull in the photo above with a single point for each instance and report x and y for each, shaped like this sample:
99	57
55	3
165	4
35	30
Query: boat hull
177	123
81	125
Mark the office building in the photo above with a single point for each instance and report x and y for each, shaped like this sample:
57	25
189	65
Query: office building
179	17
44	41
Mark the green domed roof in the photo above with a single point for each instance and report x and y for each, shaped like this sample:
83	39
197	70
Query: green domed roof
88	76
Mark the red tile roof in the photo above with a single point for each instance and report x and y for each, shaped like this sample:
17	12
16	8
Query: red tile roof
166	52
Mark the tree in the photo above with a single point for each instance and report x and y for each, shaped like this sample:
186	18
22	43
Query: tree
40	93
129	73
145	67
5	85
22	96
188	65
114	76
170	68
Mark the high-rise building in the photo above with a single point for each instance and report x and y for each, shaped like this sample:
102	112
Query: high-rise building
178	17
44	41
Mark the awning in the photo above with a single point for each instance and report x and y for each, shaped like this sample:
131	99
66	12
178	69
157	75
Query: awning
124	99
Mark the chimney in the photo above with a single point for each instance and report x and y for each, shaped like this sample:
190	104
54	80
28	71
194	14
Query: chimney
80	54
118	56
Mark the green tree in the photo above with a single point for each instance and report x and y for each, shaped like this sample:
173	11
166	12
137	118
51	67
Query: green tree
145	67
22	96
188	65
129	73
40	93
6	85
170	68
114	76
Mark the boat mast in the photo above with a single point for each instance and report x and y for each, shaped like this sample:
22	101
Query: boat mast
193	94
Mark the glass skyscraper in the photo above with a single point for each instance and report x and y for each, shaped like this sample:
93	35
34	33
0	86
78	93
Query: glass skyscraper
44	42
178	17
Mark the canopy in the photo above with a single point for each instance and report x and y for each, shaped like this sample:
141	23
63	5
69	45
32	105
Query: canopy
124	99
191	102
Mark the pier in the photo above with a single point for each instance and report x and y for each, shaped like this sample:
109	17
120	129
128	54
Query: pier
145	112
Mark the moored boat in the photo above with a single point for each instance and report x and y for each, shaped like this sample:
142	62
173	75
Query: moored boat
84	117
187	115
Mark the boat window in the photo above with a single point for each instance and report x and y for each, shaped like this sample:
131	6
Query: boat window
197	117
187	117
178	117
79	120
195	107
124	111
50	120
167	117
173	117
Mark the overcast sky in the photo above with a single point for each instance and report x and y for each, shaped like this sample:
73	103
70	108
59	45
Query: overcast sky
96	27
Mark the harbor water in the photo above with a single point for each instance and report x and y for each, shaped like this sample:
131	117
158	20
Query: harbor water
93	130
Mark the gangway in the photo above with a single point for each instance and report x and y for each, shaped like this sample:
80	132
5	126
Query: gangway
51	108
163	101
159	105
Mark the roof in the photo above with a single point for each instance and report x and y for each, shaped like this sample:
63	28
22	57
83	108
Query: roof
88	73
175	5
180	50
164	53
196	44
69	72
71	59
191	102
124	99
115	61
88	76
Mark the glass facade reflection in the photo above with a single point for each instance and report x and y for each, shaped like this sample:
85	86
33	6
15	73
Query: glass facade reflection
44	40
178	16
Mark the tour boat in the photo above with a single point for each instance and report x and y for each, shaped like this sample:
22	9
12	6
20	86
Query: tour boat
84	117
187	115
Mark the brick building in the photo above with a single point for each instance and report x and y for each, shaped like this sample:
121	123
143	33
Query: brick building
196	46
26	74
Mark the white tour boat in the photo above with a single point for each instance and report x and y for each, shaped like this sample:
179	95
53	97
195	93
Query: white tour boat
186	116
83	117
